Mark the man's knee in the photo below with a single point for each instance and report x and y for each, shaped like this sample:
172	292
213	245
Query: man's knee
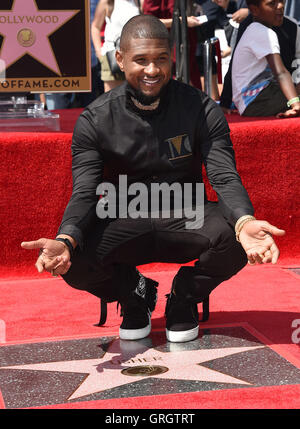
110	283
92	279
223	237
225	256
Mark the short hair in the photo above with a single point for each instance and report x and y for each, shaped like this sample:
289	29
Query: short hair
253	2
143	27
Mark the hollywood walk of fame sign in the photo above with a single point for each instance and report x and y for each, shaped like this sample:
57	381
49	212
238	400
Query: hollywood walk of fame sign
44	46
105	368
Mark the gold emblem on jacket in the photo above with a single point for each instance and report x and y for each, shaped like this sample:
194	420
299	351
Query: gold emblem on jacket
178	147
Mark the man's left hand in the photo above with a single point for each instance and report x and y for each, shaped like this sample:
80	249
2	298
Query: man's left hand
258	243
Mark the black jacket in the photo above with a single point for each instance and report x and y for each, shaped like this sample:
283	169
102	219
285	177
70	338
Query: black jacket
113	137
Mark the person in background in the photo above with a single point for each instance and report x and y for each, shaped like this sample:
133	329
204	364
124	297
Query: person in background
236	12
261	84
242	11
163	9
82	99
113	14
237	8
60	100
215	18
289	41
292	9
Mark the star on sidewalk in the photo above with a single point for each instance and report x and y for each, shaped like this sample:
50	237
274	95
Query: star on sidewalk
26	30
126	362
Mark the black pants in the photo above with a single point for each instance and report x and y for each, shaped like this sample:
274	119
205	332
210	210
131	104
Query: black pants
269	102
106	265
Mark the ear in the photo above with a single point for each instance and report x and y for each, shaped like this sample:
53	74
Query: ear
254	10
119	58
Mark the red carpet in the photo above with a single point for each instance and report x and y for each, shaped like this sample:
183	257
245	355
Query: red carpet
35	182
264	300
266	297
35	176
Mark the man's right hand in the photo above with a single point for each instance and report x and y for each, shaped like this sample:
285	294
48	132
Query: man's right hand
54	256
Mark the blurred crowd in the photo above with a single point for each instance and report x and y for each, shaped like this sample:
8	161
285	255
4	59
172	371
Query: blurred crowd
224	19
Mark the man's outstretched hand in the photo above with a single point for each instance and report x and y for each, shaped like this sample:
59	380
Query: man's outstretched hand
258	243
54	256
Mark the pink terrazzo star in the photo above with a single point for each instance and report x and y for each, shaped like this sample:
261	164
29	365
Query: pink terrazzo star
108	372
26	29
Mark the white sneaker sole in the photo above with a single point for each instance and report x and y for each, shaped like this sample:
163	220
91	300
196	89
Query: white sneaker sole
182	336
135	334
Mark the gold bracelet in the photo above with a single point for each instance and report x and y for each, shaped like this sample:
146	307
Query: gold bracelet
241	220
240	223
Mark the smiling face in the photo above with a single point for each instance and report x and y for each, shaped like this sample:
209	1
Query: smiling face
269	12
147	65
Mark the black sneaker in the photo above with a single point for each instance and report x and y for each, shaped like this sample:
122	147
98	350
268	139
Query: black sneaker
182	319
136	310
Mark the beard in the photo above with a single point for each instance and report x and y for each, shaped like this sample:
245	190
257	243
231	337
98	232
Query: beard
144	99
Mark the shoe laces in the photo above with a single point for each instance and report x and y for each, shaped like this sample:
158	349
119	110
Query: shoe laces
183	302
133	300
